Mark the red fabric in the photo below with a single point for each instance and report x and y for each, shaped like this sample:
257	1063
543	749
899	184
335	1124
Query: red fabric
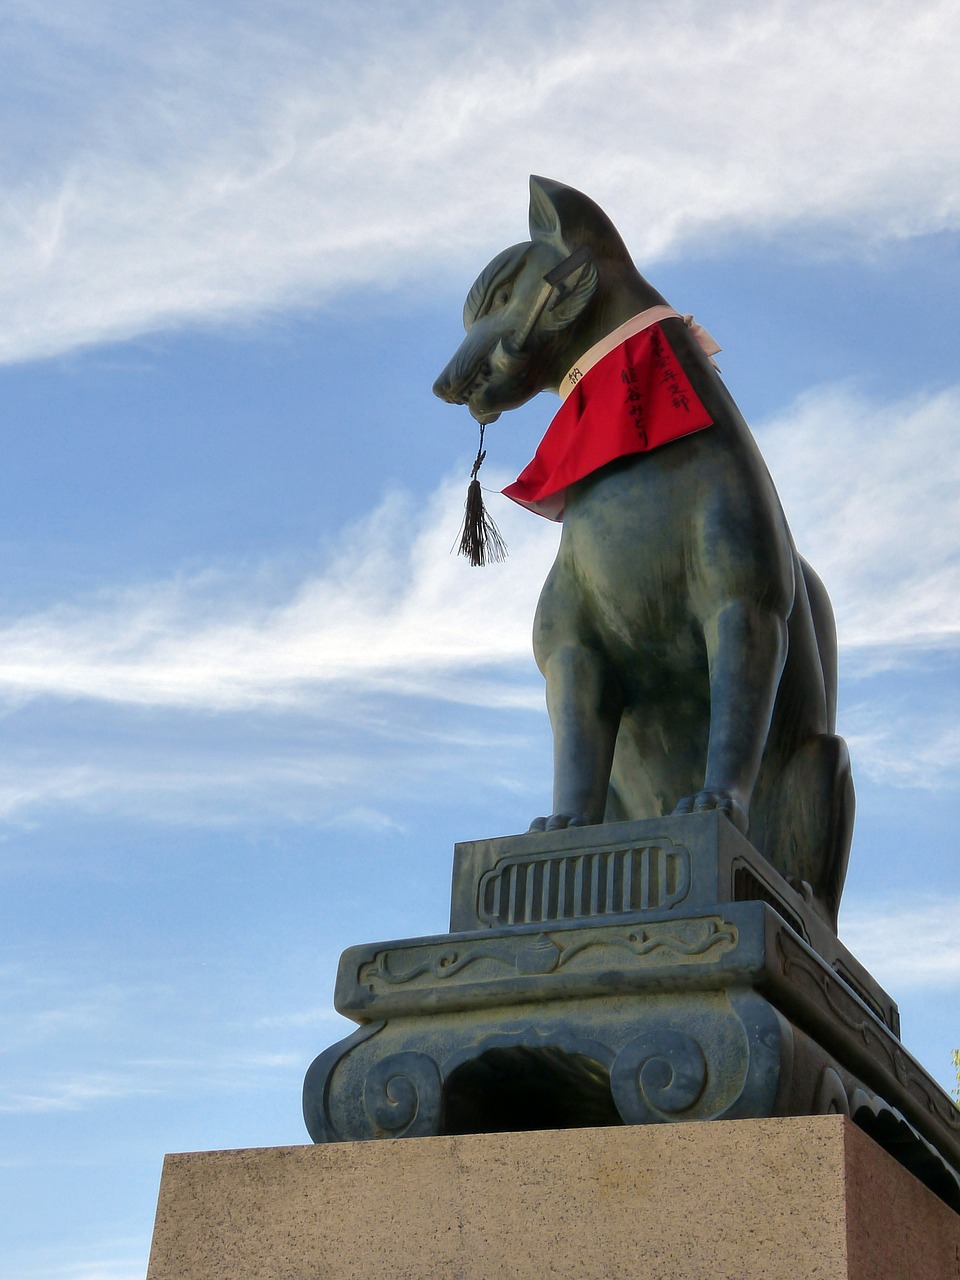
635	399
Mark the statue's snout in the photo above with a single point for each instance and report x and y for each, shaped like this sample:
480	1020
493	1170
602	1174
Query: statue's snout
444	386
468	364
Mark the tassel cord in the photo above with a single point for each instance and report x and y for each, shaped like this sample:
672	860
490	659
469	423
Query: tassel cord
480	539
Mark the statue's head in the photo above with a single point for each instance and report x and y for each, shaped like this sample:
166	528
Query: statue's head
521	314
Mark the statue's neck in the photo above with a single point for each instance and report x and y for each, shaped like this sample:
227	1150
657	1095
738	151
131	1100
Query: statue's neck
616	302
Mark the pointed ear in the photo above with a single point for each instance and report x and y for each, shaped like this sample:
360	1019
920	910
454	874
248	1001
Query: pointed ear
567	219
544	218
572	301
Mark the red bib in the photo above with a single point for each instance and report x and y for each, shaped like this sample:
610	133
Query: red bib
637	397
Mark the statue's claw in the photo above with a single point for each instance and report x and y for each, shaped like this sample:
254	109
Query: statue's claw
720	800
558	821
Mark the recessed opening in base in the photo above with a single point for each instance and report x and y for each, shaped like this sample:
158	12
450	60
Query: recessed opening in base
513	1089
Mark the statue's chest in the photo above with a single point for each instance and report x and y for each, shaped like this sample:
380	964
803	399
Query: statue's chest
630	542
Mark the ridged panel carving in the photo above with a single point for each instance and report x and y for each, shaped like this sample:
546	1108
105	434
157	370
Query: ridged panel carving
599	882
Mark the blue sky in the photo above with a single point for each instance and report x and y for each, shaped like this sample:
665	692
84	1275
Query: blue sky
248	700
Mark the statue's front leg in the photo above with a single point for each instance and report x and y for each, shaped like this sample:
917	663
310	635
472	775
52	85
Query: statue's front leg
746	650
585	704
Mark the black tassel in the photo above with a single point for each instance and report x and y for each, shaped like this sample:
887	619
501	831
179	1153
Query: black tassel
480	539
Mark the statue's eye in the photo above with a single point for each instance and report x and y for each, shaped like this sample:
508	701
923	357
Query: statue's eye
501	297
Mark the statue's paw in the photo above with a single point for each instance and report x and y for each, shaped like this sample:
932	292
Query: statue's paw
558	821
720	800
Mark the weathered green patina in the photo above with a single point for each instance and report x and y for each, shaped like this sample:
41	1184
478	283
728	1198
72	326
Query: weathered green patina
689	652
663	946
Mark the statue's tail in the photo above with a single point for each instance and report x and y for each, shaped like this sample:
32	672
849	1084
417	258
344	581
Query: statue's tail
811	822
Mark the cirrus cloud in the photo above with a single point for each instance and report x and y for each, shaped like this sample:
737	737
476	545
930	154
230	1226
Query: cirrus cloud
187	169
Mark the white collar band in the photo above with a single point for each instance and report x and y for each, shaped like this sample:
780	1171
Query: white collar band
636	324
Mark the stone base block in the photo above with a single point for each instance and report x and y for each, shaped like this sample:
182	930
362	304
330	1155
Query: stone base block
777	1199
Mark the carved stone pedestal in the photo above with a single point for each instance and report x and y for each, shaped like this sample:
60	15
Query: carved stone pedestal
633	973
796	1199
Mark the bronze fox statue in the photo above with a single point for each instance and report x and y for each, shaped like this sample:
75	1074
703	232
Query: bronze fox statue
689	652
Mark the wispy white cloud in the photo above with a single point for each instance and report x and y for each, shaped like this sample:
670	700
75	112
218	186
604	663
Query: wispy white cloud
320	1016
906	746
25	786
392	621
71	1043
124	1260
393	613
356	781
173	168
216	1070
907	944
212	788
72	1093
872	491
38	1027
